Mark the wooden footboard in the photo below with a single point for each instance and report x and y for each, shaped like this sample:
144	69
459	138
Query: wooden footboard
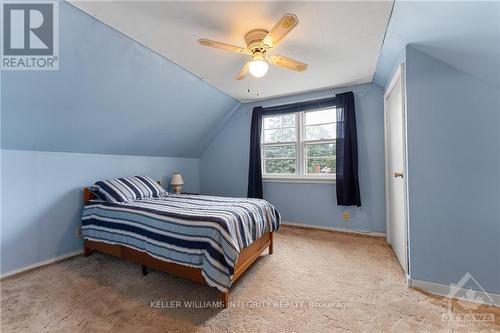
246	258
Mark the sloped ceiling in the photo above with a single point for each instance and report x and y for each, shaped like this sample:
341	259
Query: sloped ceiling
465	35
340	40
110	95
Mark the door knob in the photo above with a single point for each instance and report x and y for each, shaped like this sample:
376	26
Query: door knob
398	174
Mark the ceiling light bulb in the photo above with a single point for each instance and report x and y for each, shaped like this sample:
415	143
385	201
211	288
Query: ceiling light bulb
258	68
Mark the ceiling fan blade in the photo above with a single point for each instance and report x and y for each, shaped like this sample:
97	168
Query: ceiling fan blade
244	71
223	46
281	29
287	63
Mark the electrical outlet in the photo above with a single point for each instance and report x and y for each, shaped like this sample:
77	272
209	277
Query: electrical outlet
78	232
346	216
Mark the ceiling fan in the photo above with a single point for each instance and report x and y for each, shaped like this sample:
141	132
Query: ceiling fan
259	41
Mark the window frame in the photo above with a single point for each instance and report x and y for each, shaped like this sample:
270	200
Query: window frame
300	175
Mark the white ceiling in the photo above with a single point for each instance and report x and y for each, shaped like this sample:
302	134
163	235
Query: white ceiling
339	40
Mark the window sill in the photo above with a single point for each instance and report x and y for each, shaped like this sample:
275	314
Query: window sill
306	180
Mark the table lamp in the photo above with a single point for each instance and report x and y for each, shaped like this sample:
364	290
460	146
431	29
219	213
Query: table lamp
176	181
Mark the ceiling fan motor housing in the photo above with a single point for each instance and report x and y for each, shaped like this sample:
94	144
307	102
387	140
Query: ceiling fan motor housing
254	39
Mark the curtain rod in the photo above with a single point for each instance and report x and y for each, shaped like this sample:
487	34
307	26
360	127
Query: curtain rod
298	105
295	103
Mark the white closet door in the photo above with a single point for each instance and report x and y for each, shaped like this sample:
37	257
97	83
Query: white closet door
395	168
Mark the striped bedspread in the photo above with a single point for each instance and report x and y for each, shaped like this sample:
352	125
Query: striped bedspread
199	231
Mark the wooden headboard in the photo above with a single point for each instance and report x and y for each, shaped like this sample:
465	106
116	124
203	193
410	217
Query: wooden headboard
87	195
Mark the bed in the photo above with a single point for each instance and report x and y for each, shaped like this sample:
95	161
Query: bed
209	240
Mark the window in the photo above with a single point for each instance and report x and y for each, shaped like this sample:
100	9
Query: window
299	145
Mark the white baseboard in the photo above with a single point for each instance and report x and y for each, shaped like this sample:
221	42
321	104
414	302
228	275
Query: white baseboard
41	263
360	232
446	290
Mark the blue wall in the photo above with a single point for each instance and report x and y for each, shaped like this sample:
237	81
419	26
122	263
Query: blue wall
111	95
453	80
453	122
224	167
464	34
42	197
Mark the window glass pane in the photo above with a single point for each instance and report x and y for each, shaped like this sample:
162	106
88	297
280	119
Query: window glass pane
284	120
279	166
320	165
288	134
320	132
320	117
279	151
288	120
320	150
272	135
279	135
272	122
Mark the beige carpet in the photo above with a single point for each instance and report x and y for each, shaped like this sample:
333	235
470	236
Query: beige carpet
316	281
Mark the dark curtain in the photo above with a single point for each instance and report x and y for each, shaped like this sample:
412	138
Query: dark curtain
255	166
347	181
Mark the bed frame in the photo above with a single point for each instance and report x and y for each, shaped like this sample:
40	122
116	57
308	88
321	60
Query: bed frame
246	258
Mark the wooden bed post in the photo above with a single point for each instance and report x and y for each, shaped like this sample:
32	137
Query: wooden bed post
87	195
86	250
271	249
225	298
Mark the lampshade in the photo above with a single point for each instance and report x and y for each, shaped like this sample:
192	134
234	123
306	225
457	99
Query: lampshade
258	68
176	179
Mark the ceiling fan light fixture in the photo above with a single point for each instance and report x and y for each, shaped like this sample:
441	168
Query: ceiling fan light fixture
259	42
258	68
